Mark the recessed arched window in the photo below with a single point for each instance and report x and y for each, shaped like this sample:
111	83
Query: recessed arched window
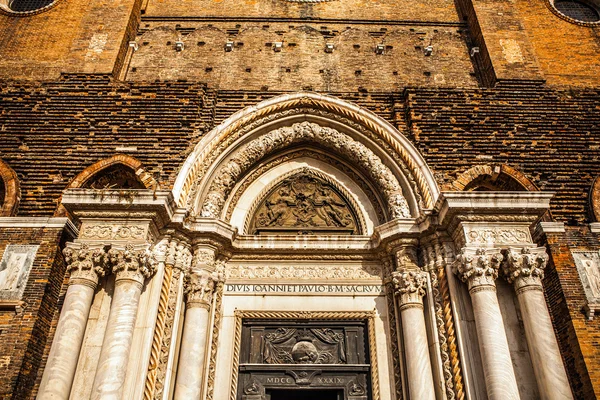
578	10
25	6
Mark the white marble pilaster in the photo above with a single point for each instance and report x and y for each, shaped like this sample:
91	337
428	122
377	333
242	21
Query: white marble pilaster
479	269
85	266
524	268
199	286
410	284
132	265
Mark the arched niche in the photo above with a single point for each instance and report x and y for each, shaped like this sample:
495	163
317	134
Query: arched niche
117	172
10	190
371	145
498	178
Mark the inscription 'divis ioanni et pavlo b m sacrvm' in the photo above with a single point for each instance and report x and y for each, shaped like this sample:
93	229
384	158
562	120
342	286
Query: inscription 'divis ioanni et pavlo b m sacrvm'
298	288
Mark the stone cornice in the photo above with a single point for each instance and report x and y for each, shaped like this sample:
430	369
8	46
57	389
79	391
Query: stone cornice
505	204
157	206
40	222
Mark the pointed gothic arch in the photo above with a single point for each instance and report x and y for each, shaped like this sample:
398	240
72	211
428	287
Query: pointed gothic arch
365	141
10	190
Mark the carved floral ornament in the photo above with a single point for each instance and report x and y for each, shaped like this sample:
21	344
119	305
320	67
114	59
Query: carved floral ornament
301	132
199	285
85	263
523	267
411	286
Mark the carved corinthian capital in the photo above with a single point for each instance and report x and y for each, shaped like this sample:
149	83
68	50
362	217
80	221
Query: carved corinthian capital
132	262
85	264
410	287
525	268
199	286
478	267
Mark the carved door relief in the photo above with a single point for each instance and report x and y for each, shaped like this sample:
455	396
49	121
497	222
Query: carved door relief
326	360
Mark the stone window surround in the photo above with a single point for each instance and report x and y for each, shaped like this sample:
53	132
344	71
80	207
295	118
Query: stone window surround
5	9
592	3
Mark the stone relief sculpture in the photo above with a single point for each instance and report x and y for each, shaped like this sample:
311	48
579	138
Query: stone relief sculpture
306	346
14	269
588	267
304	202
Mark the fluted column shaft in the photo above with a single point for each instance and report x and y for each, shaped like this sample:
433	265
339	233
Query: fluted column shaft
85	266
479	268
199	287
410	288
132	267
525	270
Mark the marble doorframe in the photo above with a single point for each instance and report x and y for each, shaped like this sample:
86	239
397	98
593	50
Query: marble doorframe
368	316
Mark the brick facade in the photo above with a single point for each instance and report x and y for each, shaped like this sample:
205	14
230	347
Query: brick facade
76	100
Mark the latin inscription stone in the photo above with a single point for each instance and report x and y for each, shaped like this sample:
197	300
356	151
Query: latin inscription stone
296	288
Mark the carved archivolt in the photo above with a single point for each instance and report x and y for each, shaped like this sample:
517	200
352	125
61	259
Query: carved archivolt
280	159
283	137
252	118
305	200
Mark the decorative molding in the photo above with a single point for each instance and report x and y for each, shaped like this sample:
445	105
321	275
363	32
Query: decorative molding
435	266
105	231
551	227
257	149
40	222
479	235
168	342
304	272
252	117
369	316
214	340
394	340
478	267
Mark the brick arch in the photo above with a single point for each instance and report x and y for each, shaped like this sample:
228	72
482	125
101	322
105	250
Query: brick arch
144	177
12	190
595	199
482	175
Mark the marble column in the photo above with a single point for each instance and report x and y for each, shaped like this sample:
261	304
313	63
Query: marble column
524	268
199	287
85	266
132	265
479	269
410	287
